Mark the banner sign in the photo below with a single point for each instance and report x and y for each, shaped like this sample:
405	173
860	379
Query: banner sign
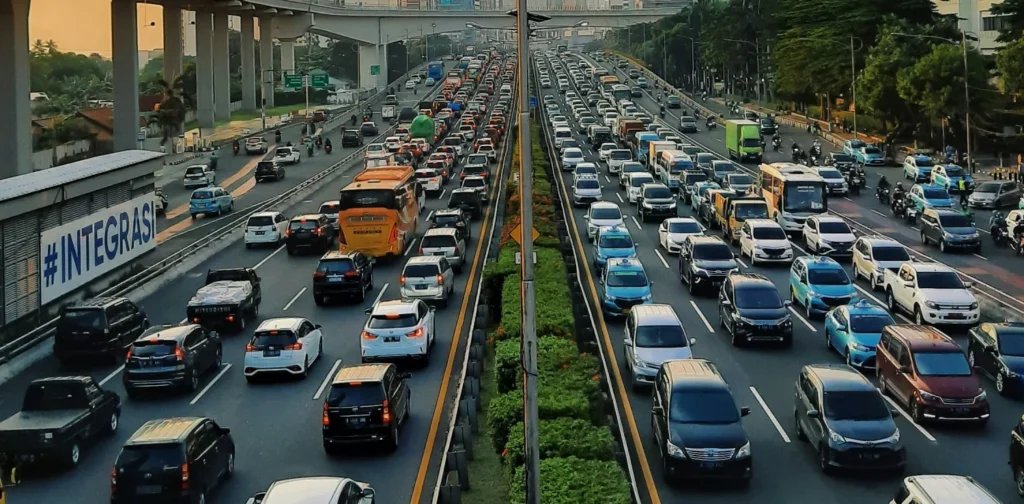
76	253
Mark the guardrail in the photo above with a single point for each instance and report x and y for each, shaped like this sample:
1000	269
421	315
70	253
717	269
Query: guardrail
23	343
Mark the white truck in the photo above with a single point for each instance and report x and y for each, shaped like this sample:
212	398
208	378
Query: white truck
654	150
287	155
932	294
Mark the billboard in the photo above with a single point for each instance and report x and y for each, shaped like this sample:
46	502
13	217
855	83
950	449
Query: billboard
78	252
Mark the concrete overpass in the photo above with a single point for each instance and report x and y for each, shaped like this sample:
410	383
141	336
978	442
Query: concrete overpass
370	28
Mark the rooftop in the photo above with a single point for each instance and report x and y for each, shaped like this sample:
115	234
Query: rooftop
30	183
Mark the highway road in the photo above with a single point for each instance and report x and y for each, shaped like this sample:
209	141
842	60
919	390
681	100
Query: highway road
785	470
275	425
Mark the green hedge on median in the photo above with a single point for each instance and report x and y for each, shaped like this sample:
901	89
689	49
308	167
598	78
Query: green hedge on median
551	289
573	480
562	437
505	410
556	358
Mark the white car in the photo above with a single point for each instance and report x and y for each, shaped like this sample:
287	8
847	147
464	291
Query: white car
255	145
674	230
586	189
287	155
616	158
287	345
430	278
410	84
571	157
584	170
872	255
375	149
430	81
430	180
393	144
489	151
563	123
828	233
398	329
265	227
199	176
764	240
555	119
610	117
605	149
602	214
636	181
562	133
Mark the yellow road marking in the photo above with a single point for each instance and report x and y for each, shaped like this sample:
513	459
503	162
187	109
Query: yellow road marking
238	192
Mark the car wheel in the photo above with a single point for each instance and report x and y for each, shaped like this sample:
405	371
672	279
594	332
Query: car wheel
918	317
970	359
305	367
393	439
823	459
202	498
807	309
112	424
193	381
890	301
319	350
1018	478
219	211
229	468
194	216
689	283
915	412
318	299
218	360
942	246
74	455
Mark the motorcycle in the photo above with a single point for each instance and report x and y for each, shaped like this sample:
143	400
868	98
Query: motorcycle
776	144
319	143
764	145
1017	244
855	183
661	113
797	156
711	123
999	232
882	193
309	150
814	160
328	147
234	147
277	137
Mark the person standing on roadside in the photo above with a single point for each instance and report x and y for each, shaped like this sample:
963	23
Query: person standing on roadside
962	187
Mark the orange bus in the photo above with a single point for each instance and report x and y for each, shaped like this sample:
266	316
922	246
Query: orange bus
379	211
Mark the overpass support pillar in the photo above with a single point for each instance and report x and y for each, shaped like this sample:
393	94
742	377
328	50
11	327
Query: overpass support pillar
172	43
124	40
15	88
369	57
287	58
267	79
248	64
221	68
204	69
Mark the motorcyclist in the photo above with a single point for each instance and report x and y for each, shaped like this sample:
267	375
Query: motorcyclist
898	192
277	136
288	144
327	145
996	221
696	113
353	119
883	183
235	146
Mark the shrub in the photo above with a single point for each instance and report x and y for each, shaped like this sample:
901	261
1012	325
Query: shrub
506	409
507	370
558	365
562	437
572	480
554	306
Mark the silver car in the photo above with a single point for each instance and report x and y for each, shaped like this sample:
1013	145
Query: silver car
444	242
429	278
995	194
653	335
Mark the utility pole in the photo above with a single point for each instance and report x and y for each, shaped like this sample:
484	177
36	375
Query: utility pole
853	88
967	103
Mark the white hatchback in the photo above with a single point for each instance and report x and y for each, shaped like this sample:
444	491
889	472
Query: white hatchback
602	214
398	330
764	240
672	232
283	346
430	278
264	228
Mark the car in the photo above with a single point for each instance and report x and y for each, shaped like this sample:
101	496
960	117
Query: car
687	124
995	194
635	182
925	196
835	183
342	274
318	489
924	370
627	168
467	200
605	149
950	230
568	143
673	102
351	138
654	335
750	308
602	214
719	170
764	241
444	242
99	328
313	230
655	200
705	261
393	144
674	230
624	284
949	176
330	210
430	180
825	234
265	228
286	345
917	168
840	414
585	190
584	170
819	283
210	200
571	157
872	255
478	184
255	145
410	84
287	155
202	175
609	118
853	330
612	242
705	162
489	151
952	488
840	160
369	128
697	425
398	330
767	126
268	170
171	356
374	150
997	350
430	81
378	393
850	147
642	82
616	158
739	182
430	278
180	459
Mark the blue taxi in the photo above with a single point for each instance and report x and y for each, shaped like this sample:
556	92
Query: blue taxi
854	330
929	196
612	242
949	177
210	200
918	168
818	284
624	285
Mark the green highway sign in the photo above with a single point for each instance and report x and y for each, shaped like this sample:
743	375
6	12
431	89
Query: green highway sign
374	69
293	81
319	81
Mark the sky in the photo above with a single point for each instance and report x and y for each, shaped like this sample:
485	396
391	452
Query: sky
83	26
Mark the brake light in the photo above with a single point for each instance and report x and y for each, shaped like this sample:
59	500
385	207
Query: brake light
184	476
250	347
394	234
294	346
325	419
462	175
386	414
418	333
319	274
401	280
456	250
129	354
288	232
179	354
319	231
351	273
369	337
440	279
113	481
420	251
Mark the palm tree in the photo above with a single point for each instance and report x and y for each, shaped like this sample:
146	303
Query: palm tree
170	112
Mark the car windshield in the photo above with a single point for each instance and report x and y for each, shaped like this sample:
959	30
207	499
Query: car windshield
605	214
573	154
153	348
438	241
657	193
769	233
692	178
329	208
941	364
921	162
335	266
833	227
842	158
669	336
303	224
627	279
689	227
474	182
954	171
616	241
420	271
938	280
890	253
587	183
353	395
703	407
585	170
830	174
712	252
803	197
260	221
633	168
368	198
447	219
737	179
639	181
463	197
751	142
750	211
855	405
758	298
956	221
620	155
872	150
1011	341
870	324
828	276
392	321
935	194
278	339
194	170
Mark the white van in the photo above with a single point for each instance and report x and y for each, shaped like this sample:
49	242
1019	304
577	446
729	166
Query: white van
562	133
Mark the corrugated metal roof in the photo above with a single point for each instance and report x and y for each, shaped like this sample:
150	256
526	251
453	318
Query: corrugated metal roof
29	183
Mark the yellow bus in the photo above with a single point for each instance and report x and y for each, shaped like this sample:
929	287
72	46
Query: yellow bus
606	82
793	192
379	211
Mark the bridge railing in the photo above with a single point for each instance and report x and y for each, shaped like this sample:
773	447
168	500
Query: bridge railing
455	6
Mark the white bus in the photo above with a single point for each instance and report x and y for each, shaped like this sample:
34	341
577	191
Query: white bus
793	192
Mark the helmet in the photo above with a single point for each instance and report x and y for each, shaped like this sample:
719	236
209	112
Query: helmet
899	186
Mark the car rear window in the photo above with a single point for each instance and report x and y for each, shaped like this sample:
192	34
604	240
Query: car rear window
435	241
260	220
194	170
351	395
392	321
202	195
83	318
452	141
335	266
329	208
150	458
420	271
307	224
149	348
278	339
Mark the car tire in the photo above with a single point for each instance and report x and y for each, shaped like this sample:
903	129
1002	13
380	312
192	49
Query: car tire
942	246
229	468
1018	478
74	455
193	381
194	216
113	423
918	316
393	440
305	368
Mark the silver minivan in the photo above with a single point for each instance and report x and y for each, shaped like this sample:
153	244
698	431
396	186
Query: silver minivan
653	335
429	278
941	488
444	242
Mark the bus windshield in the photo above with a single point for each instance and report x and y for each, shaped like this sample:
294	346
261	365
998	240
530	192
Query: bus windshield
803	197
621	94
368	198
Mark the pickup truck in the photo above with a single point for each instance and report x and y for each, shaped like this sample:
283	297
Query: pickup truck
932	294
229	297
58	417
287	155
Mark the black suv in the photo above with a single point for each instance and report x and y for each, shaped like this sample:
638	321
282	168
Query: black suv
351	138
366	403
172	460
467	200
269	170
452	218
997	350
171	356
342	274
705	261
101	327
950	230
749	306
315	231
697	424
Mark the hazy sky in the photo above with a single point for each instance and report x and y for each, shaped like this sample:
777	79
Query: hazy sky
83	26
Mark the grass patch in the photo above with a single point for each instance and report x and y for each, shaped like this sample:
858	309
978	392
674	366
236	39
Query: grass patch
488	481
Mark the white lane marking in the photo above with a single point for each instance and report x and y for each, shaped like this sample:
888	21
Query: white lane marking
409	248
916	229
289	305
617	195
183	321
980	256
802	319
904	414
380	294
741	262
209	385
112	375
265	259
879	301
442	194
879	213
702	317
771	416
847	199
327	379
638	226
606	179
663	261
719	140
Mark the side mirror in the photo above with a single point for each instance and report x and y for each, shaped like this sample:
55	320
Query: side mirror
812	413
258	498
657	410
841	328
904	370
368	493
724	302
627	342
990	348
368	311
744	411
225	430
787	303
968	285
693	341
433	308
586	217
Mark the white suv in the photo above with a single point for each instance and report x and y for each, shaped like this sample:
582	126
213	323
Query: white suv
283	346
398	329
444	242
872	255
264	228
764	240
199	176
429	278
602	214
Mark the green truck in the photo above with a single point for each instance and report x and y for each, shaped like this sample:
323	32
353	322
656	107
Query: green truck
743	140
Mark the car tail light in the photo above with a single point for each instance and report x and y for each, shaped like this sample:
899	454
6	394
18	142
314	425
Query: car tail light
462	175
418	333
294	346
351	273
184	476
195	320
369	337
440	279
457	250
113	481
179	354
319	274
288	232
250	348
420	251
129	354
401	280
394	234
326	420
386	414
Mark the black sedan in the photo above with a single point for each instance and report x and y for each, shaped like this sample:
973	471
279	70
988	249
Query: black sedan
351	138
369	128
997	350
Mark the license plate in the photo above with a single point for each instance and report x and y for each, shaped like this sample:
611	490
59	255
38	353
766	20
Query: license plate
148	489
955	316
961	411
421	287
271	353
335	279
261	233
711	465
763	324
356	421
439	254
392	339
868	456
626	310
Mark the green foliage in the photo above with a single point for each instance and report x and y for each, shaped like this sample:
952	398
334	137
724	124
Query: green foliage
506	409
935	83
1010	63
573	480
507	369
562	437
1011	15
554	306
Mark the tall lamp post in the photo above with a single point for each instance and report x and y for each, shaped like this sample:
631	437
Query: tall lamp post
757	55
853	70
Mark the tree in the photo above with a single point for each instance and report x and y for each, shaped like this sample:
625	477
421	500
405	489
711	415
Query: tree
1010	64
935	83
1010	14
170	112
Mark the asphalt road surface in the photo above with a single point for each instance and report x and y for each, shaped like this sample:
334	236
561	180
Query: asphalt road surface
785	470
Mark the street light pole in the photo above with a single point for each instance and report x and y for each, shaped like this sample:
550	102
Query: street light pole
853	87
967	103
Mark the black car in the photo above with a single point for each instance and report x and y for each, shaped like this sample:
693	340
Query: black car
171	356
673	102
997	350
950	230
452	218
636	92
351	138
687	124
98	328
841	414
840	161
314	231
767	126
655	200
369	128
705	261
749	306
366	403
269	170
468	200
172	461
697	424
342	274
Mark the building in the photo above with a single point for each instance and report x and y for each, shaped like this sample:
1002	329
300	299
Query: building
975	17
188	32
147	56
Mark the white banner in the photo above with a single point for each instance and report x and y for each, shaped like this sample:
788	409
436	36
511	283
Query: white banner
76	253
